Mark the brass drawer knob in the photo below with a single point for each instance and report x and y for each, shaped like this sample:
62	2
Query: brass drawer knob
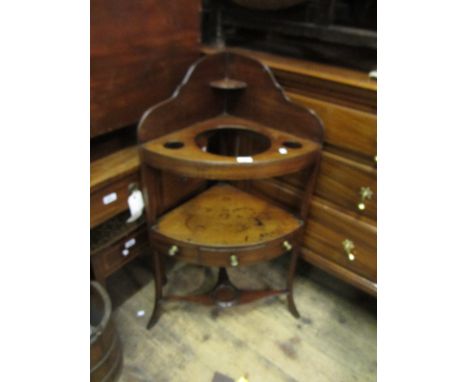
366	194
234	261
173	250
287	245
348	247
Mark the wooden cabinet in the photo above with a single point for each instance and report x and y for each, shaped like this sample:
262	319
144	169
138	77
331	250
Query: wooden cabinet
327	231
347	128
119	252
140	51
112	199
114	242
341	234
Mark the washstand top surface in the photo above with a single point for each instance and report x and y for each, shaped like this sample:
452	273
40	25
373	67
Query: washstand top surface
229	148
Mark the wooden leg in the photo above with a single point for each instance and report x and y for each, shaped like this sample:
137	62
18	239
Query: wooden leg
292	271
158	284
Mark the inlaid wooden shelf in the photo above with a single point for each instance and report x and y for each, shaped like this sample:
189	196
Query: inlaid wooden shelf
208	135
224	225
224	147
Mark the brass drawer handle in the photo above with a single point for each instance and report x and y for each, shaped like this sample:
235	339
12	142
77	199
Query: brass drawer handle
287	245
173	250
366	194
234	261
348	247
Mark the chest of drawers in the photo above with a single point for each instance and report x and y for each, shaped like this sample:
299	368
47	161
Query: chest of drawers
114	242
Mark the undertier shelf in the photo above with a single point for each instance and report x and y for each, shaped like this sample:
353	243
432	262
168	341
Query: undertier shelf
230	148
224	221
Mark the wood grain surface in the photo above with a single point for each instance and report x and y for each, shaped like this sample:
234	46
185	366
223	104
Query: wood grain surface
180	153
119	189
333	341
140	51
331	73
114	167
340	181
224	216
346	128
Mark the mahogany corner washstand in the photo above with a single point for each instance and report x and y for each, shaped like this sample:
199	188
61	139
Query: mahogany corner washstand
226	125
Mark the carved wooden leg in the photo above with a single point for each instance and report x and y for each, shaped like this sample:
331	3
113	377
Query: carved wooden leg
158	284
292	270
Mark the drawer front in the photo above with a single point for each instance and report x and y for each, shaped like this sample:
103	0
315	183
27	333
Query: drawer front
221	258
111	200
346	128
112	258
344	182
349	185
327	231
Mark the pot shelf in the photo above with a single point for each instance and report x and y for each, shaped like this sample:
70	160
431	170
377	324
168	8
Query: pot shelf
222	221
248	150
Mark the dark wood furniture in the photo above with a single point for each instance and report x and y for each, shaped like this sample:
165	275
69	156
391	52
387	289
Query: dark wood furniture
227	124
134	65
139	52
341	233
114	242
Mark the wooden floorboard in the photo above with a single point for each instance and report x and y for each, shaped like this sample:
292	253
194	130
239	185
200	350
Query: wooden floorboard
333	341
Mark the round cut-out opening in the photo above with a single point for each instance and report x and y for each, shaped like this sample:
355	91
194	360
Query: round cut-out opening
174	145
233	141
292	144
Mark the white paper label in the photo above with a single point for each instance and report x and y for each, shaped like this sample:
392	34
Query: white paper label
109	198
244	159
136	205
130	243
283	150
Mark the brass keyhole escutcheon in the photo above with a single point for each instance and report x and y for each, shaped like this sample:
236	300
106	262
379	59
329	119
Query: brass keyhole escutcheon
366	194
348	247
173	250
234	261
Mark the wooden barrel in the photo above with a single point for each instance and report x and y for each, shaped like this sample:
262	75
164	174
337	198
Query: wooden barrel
106	351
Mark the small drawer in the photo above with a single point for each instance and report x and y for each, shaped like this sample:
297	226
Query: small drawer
109	259
345	127
225	257
344	182
110	200
342	239
348	184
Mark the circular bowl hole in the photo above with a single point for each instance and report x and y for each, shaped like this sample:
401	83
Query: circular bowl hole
292	144
232	141
174	145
